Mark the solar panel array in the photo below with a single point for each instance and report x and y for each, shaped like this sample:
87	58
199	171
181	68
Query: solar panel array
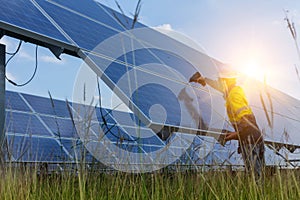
144	68
40	129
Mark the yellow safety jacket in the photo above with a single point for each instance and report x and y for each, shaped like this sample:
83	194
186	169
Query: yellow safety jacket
237	105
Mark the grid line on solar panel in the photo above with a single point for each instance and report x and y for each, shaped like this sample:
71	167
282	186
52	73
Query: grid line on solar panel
35	149
47	106
85	33
92	14
118	18
60	127
23	14
104	60
24	123
149	147
76	149
275	113
43	123
53	22
14	102
113	74
38	136
132	79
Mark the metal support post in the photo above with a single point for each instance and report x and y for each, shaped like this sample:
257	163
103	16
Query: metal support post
2	94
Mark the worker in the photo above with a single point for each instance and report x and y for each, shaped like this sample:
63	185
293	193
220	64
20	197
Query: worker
247	132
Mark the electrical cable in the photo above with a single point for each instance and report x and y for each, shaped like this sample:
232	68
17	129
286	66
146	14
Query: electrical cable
14	53
108	129
35	69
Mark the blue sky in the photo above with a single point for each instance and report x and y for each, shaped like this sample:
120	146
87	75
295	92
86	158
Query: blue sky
248	34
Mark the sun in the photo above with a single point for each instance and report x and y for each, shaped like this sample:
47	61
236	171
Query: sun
253	69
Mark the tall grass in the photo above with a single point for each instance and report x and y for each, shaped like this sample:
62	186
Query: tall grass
28	184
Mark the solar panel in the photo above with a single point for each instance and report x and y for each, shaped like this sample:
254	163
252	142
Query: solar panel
142	90
82	36
86	33
46	137
23	123
15	102
60	127
276	112
47	106
24	15
89	9
35	149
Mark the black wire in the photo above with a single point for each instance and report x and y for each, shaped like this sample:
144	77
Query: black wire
35	69
105	122
14	53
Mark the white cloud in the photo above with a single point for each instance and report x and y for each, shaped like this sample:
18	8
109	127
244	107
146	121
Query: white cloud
11	45
10	76
25	55
5	41
164	27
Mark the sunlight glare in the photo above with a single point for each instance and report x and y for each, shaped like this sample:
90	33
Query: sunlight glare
253	69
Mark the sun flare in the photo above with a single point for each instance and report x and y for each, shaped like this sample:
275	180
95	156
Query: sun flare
253	69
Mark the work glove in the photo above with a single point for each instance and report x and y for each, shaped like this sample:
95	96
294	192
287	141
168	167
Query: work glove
222	140
226	136
197	78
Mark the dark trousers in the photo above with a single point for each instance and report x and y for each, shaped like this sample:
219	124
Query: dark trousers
254	160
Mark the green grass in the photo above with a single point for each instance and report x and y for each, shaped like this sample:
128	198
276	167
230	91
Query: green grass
20	183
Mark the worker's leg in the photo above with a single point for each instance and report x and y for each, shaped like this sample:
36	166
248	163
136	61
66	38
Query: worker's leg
253	156
259	160
246	155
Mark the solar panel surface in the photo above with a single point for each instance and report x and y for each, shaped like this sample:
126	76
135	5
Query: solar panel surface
43	136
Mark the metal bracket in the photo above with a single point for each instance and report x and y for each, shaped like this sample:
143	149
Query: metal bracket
1	33
57	51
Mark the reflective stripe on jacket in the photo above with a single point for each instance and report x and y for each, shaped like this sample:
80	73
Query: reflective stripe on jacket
237	105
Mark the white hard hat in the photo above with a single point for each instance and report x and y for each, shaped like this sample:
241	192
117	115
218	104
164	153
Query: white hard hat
227	72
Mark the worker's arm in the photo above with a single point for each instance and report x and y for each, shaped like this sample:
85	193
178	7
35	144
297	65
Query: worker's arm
231	136
224	137
198	78
214	84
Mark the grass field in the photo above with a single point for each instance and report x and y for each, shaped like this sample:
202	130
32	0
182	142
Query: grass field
23	183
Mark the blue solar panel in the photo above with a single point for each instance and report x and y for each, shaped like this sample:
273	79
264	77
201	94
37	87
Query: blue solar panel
35	149
85	33
47	106
23	14
151	148
30	141
146	89
89	9
113	133
93	33
61	127
144	56
24	124
131	147
77	150
13	101
104	116
124	20
125	118
144	136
